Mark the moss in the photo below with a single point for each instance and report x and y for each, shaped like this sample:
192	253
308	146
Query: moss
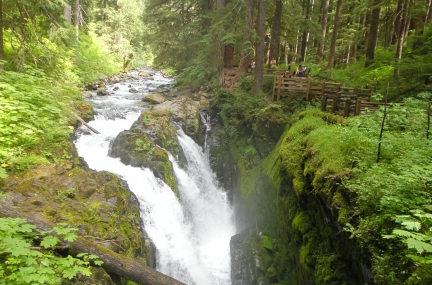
136	148
84	110
267	242
170	179
288	193
298	185
158	122
302	222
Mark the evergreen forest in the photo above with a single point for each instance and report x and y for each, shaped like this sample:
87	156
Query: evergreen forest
335	200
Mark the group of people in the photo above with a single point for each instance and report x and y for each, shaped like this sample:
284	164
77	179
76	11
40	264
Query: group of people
300	71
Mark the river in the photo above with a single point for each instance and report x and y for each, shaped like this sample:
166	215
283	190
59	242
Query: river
191	234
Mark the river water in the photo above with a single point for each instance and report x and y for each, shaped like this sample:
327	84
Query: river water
191	234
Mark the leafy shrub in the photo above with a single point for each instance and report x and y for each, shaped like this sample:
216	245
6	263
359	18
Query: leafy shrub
31	114
27	255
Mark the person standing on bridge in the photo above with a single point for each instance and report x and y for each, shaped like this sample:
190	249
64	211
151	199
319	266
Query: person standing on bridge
273	63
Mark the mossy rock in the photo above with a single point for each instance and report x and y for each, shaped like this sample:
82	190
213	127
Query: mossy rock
84	110
159	127
154	98
302	222
267	242
98	204
136	148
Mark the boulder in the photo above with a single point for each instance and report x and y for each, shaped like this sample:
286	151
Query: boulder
144	74
243	266
101	91
154	98
184	110
158	126
83	198
133	90
136	148
115	88
87	94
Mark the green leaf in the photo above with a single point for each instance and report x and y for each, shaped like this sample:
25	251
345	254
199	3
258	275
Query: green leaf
402	233
98	262
420	246
70	237
412	225
50	241
69	273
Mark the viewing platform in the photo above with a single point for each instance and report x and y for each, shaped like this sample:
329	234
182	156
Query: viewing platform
335	98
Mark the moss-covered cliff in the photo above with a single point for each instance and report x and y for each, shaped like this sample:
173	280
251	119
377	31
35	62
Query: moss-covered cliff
332	212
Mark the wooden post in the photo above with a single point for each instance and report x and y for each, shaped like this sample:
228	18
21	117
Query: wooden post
324	103
308	89
429	114
358	106
382	125
335	103
347	107
279	87
322	89
274	87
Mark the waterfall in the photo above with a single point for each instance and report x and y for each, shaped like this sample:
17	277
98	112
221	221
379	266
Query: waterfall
191	233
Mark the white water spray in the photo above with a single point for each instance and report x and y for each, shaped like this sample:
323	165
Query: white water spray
191	235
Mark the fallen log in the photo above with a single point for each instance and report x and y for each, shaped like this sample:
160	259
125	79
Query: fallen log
112	262
84	123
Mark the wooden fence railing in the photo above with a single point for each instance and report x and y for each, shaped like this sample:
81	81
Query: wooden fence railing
334	97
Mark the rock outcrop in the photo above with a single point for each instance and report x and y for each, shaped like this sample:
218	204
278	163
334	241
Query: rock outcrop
136	148
99	204
154	98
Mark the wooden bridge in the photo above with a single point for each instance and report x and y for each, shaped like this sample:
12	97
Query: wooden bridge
335	98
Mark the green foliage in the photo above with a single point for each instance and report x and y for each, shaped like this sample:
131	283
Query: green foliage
416	233
3	173
67	193
27	256
120	27
140	145
30	103
334	158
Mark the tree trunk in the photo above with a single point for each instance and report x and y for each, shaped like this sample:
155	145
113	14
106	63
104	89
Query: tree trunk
324	18
1	35
112	262
398	22
334	35
247	37
305	36
229	56
290	57
373	33
275	32
220	51
401	36
419	16
77	18
282	50
67	13
262	6
207	7
228	50
429	15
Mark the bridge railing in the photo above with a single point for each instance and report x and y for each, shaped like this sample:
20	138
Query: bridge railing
334	97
